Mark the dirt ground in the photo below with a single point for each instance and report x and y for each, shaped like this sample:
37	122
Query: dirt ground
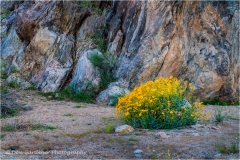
81	133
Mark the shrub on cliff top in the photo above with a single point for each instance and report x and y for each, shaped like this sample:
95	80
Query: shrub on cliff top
161	104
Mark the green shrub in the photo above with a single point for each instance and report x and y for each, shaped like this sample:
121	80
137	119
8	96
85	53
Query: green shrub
4	13
114	99
2	136
9	111
8	128
78	106
110	123
219	117
98	40
218	102
132	140
86	4
49	128
14	83
90	5
231	148
33	126
160	104
105	63
68	115
3	69
3	89
70	93
109	128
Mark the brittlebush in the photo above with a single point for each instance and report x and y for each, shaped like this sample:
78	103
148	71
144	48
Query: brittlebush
161	104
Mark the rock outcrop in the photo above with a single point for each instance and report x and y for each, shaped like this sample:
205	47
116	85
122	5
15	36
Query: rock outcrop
49	43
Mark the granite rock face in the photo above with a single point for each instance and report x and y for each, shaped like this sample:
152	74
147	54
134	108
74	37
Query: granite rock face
48	42
194	41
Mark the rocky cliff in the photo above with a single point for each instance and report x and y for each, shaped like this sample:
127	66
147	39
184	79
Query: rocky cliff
48	42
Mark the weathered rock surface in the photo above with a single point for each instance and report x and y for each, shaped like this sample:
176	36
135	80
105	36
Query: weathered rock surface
197	41
16	79
124	129
114	89
86	75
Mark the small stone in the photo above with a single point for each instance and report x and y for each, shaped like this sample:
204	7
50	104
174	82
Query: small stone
26	85
195	134
55	136
217	155
14	147
11	157
27	107
138	151
214	127
89	124
197	126
163	135
124	129
68	147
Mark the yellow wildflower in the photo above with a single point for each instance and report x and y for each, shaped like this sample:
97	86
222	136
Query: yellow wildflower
127	114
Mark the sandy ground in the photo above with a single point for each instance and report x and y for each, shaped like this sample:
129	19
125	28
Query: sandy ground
79	134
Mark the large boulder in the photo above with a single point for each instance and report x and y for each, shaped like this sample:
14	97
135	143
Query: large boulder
114	89
194	41
86	76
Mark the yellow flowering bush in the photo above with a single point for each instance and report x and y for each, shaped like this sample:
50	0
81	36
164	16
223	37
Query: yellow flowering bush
163	103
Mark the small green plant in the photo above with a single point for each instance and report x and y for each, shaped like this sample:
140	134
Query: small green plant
132	140
46	148
218	102
27	134
39	126
105	63
8	111
97	11
3	69
49	128
14	70
121	141
114	99
78	106
68	115
86	4
2	136
109	128
4	13
32	88
36	126
90	5
8	128
30	126
3	89
137	134
110	140
109	124
98	40
14	83
78	136
231	148
70	93
219	117
125	134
